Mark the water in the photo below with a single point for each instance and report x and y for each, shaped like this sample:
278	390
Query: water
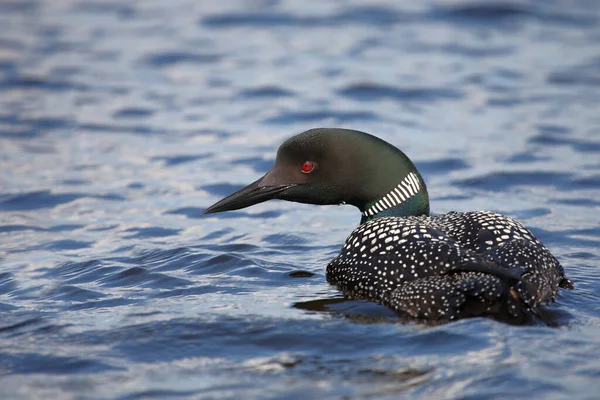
121	121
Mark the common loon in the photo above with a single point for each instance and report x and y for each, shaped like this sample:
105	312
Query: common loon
440	267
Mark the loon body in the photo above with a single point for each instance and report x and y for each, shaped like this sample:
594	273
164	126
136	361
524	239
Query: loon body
442	267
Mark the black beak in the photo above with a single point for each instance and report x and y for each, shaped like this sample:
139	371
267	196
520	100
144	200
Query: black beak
252	194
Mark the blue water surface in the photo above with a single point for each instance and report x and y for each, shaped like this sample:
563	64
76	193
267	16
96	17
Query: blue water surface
121	121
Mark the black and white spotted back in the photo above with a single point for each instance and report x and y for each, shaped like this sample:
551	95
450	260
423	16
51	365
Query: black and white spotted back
448	266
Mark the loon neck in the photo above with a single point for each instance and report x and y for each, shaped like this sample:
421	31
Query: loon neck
407	198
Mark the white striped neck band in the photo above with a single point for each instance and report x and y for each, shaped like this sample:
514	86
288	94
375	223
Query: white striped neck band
398	195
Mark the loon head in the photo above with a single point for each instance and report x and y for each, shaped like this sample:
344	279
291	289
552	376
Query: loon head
338	166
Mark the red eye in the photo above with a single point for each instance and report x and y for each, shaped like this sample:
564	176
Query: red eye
307	167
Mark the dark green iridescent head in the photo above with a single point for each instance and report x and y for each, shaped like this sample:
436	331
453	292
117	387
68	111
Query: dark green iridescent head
337	166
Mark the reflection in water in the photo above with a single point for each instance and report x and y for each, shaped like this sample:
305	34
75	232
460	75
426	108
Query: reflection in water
361	311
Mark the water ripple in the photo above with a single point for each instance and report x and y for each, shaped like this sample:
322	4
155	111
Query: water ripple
72	293
371	91
508	11
120	122
34	363
265	92
340	117
140	276
105	7
586	74
133	112
18	126
580	145
153	232
44	199
82	272
258	164
441	166
41	83
181	159
166	59
354	15
501	181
